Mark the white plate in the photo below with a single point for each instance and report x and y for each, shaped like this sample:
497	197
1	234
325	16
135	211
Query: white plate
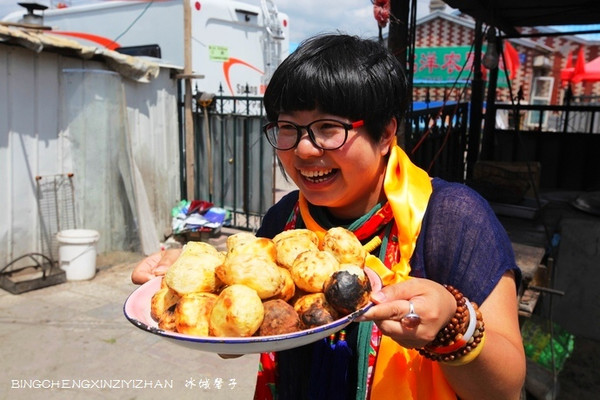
137	311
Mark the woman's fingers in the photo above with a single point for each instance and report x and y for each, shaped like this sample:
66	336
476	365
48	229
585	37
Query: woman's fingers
154	265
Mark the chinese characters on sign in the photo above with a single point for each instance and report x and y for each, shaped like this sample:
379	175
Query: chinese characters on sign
446	65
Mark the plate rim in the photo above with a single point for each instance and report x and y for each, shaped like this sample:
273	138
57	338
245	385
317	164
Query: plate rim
207	341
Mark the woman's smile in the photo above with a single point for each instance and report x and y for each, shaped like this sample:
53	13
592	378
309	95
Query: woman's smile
317	176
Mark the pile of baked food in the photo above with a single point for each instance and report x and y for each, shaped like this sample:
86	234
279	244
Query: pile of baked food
261	286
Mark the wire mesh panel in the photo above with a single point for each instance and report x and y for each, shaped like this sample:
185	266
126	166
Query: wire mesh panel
56	207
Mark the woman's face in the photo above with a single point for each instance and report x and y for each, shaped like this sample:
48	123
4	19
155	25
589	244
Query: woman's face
349	180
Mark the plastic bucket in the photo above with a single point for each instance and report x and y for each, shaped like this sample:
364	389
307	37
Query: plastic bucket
77	253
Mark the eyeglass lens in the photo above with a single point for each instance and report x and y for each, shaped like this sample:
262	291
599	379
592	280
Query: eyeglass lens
325	134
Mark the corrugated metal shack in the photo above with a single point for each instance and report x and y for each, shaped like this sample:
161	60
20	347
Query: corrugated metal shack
89	140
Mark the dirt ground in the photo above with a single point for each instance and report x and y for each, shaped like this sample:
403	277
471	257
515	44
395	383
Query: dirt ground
580	376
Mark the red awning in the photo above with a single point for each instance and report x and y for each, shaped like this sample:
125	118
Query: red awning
591	72
582	71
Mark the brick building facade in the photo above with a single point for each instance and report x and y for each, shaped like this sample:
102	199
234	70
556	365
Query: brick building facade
542	56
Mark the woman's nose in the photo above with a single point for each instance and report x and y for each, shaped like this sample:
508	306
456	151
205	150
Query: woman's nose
306	147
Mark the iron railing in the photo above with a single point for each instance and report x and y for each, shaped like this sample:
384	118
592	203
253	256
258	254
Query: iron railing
436	140
236	166
234	162
564	140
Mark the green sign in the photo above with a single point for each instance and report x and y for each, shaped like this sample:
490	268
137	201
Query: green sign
218	53
442	66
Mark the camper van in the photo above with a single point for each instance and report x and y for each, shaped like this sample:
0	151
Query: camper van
235	45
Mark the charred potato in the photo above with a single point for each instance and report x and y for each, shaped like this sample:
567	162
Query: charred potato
348	289
314	310
280	317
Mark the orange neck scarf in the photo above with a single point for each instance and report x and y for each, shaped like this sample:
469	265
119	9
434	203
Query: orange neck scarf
400	373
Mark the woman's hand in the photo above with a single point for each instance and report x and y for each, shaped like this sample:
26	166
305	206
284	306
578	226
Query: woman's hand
154	265
433	303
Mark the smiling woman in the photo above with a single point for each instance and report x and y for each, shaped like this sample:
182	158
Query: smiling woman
445	324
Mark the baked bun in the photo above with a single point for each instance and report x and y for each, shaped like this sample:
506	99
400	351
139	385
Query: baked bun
198	248
314	310
296	234
346	247
263	247
238	312
238	239
255	271
280	317
166	322
161	301
192	313
312	269
194	272
291	246
289	287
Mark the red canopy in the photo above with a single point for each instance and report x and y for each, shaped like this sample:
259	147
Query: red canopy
582	71
591	72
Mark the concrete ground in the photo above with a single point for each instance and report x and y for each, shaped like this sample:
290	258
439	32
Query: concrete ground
72	341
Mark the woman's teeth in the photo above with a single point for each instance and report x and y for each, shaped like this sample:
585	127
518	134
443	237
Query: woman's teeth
316	176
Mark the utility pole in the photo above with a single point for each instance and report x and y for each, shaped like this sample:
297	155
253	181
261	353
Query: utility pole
190	162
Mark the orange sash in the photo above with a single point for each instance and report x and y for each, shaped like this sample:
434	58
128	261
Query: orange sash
402	373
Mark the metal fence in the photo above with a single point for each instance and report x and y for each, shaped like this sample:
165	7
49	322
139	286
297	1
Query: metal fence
237	166
565	141
436	140
234	162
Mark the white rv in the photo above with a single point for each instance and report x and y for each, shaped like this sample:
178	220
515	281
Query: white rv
235	45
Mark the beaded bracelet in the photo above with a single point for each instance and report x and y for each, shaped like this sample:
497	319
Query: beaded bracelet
462	335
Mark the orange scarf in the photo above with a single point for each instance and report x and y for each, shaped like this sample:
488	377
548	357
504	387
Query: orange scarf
401	373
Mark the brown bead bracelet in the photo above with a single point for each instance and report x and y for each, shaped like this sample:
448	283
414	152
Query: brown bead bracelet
450	343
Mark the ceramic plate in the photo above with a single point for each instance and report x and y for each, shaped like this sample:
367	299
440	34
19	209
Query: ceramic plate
137	311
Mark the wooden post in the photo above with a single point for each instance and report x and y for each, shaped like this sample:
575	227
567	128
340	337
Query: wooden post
190	145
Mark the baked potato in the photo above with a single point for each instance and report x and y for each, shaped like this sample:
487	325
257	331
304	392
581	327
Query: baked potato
280	317
344	245
238	312
255	271
192	313
312	269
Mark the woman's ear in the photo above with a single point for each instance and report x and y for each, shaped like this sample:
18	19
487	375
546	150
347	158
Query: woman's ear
388	136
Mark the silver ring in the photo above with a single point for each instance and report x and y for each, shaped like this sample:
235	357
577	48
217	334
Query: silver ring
412	319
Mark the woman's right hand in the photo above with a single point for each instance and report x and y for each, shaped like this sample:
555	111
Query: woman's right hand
154	265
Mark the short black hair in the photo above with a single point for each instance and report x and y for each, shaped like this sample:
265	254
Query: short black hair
343	75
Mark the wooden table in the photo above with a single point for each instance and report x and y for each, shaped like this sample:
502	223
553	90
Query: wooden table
529	259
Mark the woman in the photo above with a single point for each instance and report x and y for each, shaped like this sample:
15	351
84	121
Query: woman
335	106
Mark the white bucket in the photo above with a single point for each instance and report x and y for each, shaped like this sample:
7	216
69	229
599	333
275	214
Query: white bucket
77	253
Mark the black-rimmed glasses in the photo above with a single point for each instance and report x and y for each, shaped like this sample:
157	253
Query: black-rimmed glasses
326	134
